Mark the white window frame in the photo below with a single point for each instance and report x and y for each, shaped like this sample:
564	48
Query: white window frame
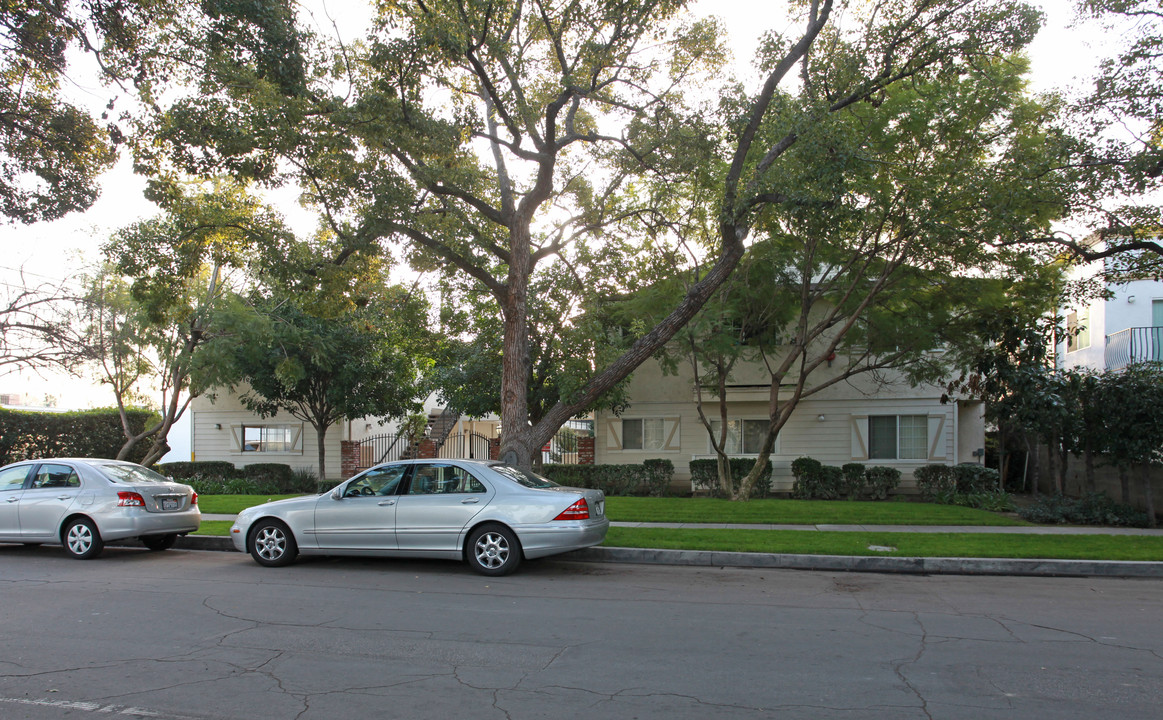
897	454
740	434
1078	330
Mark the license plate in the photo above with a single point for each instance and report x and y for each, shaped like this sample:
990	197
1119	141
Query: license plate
170	504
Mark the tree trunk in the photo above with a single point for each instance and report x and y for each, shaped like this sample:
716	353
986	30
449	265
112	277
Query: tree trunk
321	442
1033	460
1149	494
1052	465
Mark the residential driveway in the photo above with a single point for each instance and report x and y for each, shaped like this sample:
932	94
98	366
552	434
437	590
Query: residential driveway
187	634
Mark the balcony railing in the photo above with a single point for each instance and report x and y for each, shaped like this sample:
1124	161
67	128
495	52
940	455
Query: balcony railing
1134	345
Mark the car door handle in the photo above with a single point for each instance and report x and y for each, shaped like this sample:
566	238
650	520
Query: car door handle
13	499
470	501
63	497
387	502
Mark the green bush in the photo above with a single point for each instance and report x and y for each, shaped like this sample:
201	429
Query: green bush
203	469
880	480
650	478
967	484
25	435
854	480
270	475
659	474
205	486
705	476
1091	509
816	481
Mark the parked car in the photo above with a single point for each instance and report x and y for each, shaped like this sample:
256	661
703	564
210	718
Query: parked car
489	514
84	503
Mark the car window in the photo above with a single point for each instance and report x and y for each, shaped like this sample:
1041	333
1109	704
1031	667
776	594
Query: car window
377	481
524	477
130	474
55	476
437	478
13	478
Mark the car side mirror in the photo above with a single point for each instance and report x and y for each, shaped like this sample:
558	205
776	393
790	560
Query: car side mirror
337	494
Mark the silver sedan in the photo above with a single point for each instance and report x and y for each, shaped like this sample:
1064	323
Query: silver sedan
489	514
83	503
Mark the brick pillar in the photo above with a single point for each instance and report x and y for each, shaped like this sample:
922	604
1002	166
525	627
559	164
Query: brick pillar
348	457
585	451
495	448
427	449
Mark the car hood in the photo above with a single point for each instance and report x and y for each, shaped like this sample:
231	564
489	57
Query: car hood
284	504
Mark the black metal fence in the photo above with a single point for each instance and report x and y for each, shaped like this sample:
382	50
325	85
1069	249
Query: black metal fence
389	447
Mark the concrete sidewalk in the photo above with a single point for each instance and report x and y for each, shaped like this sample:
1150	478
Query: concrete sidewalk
839	563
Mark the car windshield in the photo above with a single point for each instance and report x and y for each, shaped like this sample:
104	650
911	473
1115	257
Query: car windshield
524	477
130	474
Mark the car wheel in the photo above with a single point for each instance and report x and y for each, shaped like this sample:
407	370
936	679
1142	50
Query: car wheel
272	544
159	542
494	550
81	539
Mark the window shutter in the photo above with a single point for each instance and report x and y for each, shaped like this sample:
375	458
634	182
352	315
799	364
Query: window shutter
614	434
670	431
859	437
937	444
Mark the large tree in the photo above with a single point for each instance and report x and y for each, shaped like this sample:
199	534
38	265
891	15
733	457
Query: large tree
495	137
53	148
367	361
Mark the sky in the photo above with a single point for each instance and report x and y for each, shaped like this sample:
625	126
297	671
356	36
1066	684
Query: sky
57	251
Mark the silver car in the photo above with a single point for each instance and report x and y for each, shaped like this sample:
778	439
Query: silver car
84	503
489	514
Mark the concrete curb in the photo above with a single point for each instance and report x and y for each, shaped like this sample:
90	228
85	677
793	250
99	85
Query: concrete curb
831	563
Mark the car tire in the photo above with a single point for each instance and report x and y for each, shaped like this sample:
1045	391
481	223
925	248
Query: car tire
271	544
157	543
81	539
493	550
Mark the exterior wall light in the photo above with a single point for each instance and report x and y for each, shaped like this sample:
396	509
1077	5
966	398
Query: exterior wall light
821	418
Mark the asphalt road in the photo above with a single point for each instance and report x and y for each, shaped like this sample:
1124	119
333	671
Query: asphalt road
186	634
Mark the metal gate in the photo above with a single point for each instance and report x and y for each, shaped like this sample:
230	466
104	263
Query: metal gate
387	448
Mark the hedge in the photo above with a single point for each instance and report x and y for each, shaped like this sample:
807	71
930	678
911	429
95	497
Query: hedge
651	478
705	476
26	434
816	481
202	469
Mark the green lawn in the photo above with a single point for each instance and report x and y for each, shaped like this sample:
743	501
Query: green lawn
797	512
214	527
806	542
234	504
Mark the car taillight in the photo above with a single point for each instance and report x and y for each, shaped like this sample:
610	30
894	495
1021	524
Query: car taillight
194	500
580	510
130	499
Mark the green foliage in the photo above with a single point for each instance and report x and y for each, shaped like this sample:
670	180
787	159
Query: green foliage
816	481
88	433
705	476
967	484
277	474
651	478
216	470
1092	509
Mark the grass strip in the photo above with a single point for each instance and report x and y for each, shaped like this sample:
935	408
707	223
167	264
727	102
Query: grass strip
214	527
234	504
798	512
802	542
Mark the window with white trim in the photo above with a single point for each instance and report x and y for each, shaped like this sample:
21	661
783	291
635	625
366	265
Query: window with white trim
643	434
267	438
744	437
898	437
1078	330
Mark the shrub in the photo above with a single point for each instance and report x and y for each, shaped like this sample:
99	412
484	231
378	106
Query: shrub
88	433
879	480
270	475
203	469
974	478
816	481
854	480
936	483
992	500
659	474
1092	509
610	479
303	480
705	476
